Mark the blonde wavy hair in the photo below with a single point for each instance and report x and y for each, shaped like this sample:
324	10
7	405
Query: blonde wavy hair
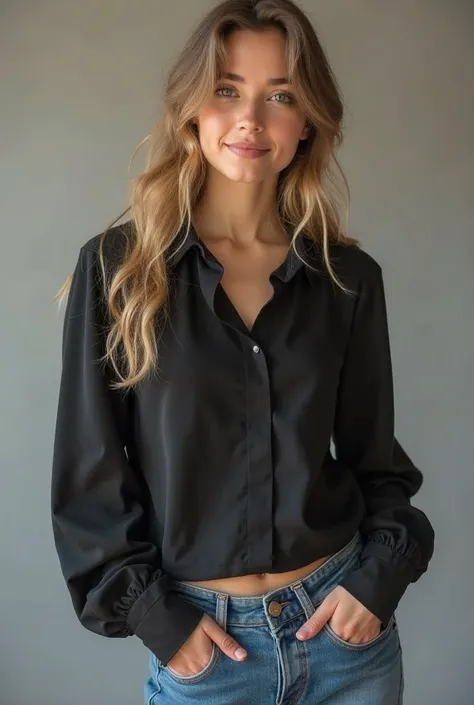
163	197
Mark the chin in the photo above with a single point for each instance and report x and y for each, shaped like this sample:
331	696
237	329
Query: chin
246	173
246	178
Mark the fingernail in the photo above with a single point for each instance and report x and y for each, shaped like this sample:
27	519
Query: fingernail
302	633
240	653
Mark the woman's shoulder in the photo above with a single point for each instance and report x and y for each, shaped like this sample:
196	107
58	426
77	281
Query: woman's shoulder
115	240
351	263
354	257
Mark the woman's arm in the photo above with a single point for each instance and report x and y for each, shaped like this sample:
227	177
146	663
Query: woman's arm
110	566
399	539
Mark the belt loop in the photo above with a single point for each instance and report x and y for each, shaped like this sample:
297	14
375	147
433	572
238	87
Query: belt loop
221	610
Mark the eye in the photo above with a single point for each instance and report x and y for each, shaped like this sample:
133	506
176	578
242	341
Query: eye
224	88
287	96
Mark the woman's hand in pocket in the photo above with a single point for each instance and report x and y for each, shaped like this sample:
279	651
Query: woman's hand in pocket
194	655
346	616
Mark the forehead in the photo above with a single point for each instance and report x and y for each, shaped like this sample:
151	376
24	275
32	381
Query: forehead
262	52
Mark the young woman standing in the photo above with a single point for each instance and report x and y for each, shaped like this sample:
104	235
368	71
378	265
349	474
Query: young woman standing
214	346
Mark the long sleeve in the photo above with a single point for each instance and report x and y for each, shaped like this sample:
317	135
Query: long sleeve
98	497
398	537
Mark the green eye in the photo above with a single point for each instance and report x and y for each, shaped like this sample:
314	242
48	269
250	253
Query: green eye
224	89
288	96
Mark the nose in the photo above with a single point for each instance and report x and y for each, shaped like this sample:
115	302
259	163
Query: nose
251	117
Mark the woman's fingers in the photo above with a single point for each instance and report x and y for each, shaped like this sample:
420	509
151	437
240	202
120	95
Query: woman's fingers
224	641
318	619
193	655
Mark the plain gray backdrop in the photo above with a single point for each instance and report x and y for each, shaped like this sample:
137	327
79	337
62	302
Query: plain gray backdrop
80	87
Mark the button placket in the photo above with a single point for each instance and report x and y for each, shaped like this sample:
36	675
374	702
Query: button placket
259	447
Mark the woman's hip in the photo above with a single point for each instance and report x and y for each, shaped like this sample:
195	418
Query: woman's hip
279	668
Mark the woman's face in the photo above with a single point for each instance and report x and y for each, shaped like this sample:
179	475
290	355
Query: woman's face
252	109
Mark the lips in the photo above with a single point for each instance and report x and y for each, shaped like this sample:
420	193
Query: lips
248	145
244	149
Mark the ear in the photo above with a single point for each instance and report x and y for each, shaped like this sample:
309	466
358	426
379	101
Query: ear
306	131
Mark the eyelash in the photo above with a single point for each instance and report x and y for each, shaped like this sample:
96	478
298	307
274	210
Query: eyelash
283	102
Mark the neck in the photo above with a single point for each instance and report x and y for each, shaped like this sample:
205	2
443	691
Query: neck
240	212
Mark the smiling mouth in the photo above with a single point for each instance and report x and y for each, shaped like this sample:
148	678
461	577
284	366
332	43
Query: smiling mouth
247	152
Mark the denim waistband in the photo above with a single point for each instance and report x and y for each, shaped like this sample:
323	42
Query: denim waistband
254	609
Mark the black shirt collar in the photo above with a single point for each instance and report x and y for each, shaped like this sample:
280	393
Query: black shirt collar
189	239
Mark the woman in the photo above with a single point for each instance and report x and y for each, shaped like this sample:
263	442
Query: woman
195	499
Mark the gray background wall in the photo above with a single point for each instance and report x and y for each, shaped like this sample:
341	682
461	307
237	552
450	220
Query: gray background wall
80	87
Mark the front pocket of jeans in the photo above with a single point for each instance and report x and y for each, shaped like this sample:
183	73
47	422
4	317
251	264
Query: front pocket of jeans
205	672
384	634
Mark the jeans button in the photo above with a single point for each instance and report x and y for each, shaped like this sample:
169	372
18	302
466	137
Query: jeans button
274	609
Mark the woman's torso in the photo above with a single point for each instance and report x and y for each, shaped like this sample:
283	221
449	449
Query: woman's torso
247	285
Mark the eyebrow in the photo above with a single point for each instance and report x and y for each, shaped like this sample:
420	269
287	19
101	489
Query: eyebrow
241	79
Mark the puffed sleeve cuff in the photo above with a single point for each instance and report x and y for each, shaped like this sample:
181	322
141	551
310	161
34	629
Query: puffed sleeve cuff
163	621
380	580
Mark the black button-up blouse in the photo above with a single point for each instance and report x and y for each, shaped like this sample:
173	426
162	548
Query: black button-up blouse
220	464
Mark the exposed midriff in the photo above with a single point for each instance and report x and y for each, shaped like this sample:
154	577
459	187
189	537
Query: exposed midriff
258	583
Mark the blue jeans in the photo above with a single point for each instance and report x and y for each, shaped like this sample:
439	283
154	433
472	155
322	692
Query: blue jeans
280	669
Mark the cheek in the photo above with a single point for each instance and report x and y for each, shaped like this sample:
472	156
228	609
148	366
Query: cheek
287	131
212	127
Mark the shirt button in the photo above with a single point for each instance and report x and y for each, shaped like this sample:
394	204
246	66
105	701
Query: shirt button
256	349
